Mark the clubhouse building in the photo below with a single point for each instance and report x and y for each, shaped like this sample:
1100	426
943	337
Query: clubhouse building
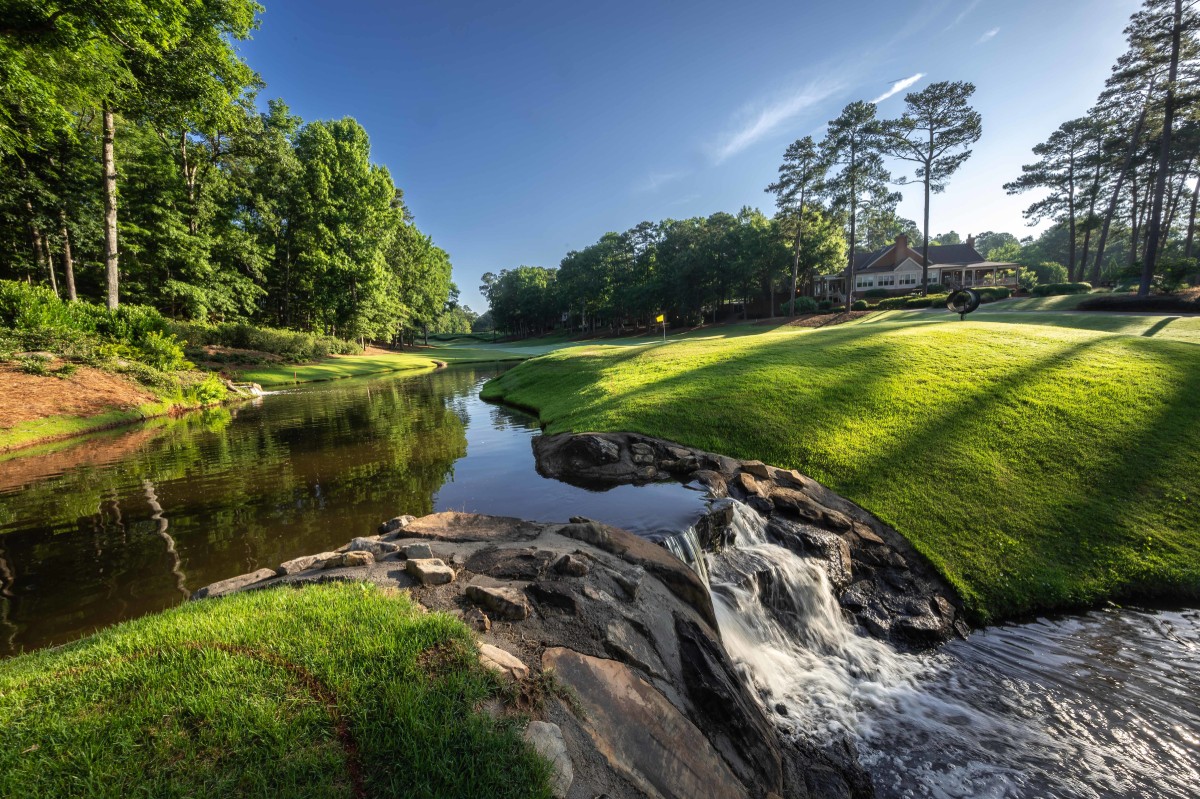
897	268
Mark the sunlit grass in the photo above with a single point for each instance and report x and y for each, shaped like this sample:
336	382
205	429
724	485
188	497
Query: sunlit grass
317	692
1037	466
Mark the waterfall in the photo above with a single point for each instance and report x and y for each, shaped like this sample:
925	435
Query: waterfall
782	625
1009	713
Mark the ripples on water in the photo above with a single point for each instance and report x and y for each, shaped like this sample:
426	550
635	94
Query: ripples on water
1106	704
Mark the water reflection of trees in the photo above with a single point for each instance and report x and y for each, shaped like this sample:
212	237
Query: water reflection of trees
298	473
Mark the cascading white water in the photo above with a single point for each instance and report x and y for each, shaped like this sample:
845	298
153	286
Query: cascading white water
1015	711
782	624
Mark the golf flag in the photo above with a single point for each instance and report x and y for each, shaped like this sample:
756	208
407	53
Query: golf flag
658	318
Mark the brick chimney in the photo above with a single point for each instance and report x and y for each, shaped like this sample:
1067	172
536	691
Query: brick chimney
898	254
970	241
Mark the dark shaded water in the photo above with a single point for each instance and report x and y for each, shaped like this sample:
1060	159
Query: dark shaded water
130	522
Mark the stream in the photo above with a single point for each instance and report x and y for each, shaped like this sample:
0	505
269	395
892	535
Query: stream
120	524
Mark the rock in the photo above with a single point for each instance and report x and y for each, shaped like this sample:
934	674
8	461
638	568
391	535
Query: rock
641	454
502	662
640	733
233	584
594	449
626	645
429	571
713	481
676	575
811	541
416	552
553	595
757	468
477	620
454	526
747	483
547	741
572	565
735	721
646	473
504	602
355	558
925	629
308	562
511	564
856	596
761	504
396	524
380	549
629	581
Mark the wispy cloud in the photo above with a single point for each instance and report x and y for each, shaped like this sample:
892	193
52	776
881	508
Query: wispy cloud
988	35
899	86
762	119
963	14
656	180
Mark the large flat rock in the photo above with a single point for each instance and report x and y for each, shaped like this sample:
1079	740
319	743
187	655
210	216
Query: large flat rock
641	734
454	526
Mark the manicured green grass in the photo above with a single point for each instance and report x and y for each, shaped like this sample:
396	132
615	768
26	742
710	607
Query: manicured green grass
1061	302
1038	467
53	427
1175	328
340	366
328	691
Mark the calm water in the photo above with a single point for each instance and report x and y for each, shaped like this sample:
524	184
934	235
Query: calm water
132	521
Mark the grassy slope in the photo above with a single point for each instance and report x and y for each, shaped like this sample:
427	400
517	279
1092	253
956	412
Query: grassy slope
49	428
1174	328
340	366
1036	466
237	697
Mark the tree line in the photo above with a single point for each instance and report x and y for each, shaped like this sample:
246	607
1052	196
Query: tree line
1121	182
138	166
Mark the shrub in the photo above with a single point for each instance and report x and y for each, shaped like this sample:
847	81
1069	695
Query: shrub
993	293
803	305
1048	272
1028	279
936	288
162	352
860	305
875	294
1184	302
824	305
291	345
1052	289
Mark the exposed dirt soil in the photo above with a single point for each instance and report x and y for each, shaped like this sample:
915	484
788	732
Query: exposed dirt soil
25	397
821	320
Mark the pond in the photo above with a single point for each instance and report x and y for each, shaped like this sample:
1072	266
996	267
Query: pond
131	521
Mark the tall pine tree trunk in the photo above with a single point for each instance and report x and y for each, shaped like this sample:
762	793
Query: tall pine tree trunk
1187	247
796	253
1164	156
68	260
925	246
1071	262
1133	218
110	209
1116	193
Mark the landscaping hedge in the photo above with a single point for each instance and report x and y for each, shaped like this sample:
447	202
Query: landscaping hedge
993	293
1050	289
860	305
1186	302
900	303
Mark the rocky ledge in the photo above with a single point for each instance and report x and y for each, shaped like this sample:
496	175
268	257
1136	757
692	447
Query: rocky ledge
881	581
652	704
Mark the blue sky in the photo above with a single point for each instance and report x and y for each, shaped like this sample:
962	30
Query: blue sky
520	131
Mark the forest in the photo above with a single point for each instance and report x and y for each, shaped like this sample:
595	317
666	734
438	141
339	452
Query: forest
141	166
1119	186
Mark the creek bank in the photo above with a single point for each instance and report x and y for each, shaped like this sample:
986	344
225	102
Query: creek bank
879	578
647	701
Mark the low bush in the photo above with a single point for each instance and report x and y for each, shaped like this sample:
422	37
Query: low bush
876	294
901	303
1050	289
993	293
860	305
1183	302
824	305
803	305
936	288
291	345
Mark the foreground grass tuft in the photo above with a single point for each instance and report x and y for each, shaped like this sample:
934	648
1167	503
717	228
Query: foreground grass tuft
340	690
1038	467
